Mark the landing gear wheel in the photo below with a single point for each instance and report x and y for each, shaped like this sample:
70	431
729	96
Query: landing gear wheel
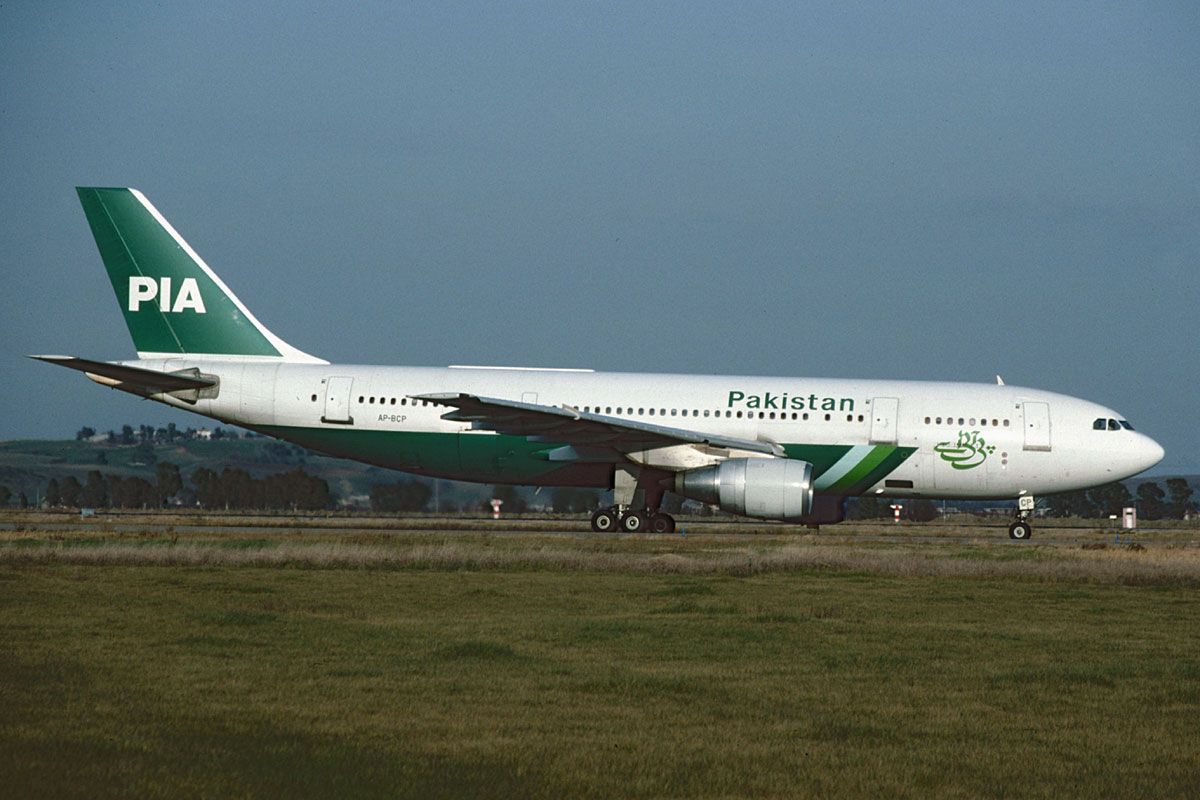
662	523
634	522
1020	530
604	521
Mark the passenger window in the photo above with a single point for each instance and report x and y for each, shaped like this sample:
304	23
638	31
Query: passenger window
995	422
827	418
850	418
361	398
1006	423
939	420
739	415
393	402
652	412
314	398
805	415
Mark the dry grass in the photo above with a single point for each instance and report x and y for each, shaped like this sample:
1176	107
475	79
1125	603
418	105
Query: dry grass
1087	564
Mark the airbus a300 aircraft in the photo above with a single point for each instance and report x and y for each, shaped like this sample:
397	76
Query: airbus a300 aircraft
790	449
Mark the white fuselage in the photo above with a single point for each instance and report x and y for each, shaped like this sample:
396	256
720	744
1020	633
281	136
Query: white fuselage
938	439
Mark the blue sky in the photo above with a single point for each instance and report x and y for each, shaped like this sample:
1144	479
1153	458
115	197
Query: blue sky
937	191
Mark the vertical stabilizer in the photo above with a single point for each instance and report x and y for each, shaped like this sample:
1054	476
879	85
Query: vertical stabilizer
172	301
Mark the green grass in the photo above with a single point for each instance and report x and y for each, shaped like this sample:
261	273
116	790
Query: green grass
557	677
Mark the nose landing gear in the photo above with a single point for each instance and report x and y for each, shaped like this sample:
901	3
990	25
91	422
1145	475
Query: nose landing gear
1021	529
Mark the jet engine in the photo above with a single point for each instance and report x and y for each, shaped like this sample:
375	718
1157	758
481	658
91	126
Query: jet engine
768	488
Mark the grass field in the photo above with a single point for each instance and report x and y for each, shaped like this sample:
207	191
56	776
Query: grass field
434	664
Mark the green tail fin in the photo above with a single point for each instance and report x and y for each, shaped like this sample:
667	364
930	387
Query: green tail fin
172	302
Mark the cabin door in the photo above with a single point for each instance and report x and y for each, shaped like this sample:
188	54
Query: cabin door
884	411
337	401
1037	426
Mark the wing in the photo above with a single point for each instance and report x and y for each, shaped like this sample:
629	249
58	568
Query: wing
566	425
134	379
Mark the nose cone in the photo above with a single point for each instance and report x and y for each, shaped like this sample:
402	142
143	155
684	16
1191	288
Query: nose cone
1149	452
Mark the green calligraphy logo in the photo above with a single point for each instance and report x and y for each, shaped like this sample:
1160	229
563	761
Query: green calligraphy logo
968	452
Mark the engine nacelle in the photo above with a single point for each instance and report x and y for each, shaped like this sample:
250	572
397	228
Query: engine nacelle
769	488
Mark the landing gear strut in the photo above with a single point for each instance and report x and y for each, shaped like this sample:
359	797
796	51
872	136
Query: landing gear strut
1021	529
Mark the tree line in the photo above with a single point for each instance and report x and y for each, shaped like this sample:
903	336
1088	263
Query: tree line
231	488
1108	500
234	488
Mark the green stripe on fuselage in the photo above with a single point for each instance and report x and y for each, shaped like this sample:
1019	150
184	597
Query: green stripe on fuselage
858	481
821	456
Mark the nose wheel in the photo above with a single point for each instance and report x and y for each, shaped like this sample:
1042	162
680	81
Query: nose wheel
1020	530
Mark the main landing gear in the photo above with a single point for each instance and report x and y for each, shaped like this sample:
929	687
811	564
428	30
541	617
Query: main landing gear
1021	529
637	494
629	520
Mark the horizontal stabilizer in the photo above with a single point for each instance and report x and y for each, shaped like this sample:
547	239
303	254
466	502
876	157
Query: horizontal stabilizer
150	380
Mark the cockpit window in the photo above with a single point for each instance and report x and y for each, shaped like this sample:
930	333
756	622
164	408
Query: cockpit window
1125	424
1113	426
1098	425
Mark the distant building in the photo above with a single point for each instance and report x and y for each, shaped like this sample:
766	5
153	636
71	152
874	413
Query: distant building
356	501
204	433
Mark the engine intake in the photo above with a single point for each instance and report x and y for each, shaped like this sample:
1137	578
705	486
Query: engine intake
768	488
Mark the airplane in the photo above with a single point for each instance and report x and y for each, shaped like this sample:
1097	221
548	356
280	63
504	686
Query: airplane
774	448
